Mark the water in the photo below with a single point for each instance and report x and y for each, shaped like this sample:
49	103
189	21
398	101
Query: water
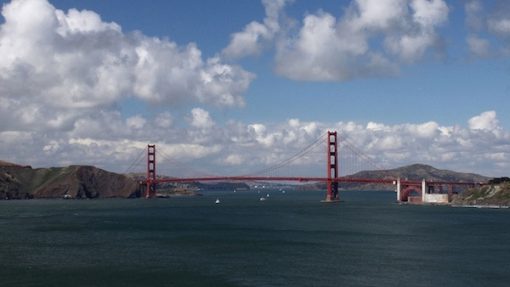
288	240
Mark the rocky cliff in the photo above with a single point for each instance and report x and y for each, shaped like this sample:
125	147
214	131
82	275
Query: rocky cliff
494	194
18	182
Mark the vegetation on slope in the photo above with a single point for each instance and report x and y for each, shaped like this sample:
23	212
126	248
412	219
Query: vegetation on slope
421	171
413	172
496	193
17	182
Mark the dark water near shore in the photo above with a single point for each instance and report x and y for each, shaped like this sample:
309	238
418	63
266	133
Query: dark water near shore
289	240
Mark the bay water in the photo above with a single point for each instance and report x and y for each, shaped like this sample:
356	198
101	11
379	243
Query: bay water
289	239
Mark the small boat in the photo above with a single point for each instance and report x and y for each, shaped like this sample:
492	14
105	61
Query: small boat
262	199
283	191
267	195
217	201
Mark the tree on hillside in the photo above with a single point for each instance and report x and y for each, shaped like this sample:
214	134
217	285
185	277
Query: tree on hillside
499	180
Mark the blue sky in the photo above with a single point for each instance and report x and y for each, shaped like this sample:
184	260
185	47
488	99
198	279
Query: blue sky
421	80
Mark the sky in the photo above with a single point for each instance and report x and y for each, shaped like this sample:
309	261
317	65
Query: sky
236	86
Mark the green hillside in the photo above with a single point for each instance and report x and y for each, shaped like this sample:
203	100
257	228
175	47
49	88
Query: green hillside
18	182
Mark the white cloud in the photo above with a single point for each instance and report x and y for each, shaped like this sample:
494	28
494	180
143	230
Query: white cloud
249	41
258	129
11	138
429	13
136	122
164	120
478	46
52	147
500	26
425	130
376	127
338	49
485	121
489	28
57	67
390	143
187	151
201	119
234	159
498	156
256	35
426	17
65	74
240	148
379	14
473	10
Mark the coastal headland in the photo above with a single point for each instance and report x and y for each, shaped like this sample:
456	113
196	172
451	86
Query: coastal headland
88	182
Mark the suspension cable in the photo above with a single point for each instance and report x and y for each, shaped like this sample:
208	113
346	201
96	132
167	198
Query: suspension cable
173	160
293	158
362	155
136	161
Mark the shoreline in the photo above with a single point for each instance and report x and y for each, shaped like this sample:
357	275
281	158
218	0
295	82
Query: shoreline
486	206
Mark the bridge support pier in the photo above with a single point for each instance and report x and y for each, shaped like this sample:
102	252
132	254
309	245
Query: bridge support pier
423	191
332	168
150	191
399	190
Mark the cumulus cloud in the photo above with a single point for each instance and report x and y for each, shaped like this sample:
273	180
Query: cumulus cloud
473	10
500	26
256	35
136	122
244	148
201	119
328	48
489	27
57	67
234	159
63	74
164	120
485	121
478	46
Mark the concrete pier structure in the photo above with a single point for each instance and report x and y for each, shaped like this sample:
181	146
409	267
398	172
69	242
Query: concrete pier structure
423	190
399	190
427	194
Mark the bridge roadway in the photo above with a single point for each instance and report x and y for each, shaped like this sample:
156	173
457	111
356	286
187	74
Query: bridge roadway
309	179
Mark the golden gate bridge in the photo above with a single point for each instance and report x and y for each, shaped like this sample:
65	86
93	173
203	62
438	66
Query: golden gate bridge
426	189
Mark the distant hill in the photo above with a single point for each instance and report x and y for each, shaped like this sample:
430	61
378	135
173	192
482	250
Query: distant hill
421	171
410	172
415	172
5	163
18	182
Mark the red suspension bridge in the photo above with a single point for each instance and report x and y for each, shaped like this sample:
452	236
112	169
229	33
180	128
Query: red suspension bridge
427	190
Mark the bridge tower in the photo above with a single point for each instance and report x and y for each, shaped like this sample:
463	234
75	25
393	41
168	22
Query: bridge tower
150	191
332	168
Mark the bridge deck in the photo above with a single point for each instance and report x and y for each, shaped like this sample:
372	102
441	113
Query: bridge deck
307	179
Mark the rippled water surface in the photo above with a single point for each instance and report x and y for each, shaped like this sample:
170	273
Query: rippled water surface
290	239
